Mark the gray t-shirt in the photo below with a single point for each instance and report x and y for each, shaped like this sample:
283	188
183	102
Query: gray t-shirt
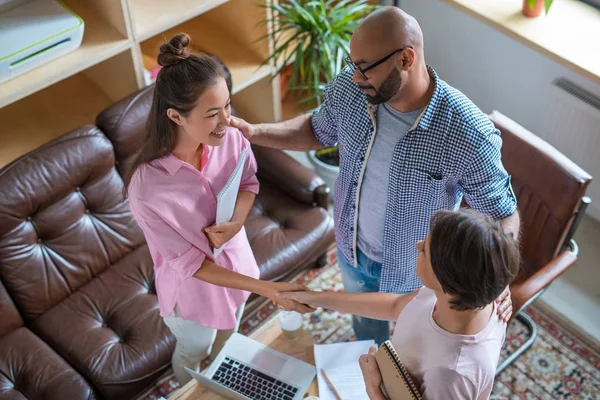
392	125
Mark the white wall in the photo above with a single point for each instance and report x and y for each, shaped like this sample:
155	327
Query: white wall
498	72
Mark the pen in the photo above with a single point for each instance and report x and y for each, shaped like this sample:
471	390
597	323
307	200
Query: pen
337	395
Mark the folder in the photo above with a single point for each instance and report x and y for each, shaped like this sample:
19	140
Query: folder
227	197
396	379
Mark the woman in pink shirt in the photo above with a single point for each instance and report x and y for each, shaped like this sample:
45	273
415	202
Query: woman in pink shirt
447	333
190	153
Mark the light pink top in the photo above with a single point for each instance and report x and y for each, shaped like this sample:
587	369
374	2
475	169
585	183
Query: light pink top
173	202
447	366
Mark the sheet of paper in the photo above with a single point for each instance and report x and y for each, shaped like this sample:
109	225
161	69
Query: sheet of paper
348	381
341	359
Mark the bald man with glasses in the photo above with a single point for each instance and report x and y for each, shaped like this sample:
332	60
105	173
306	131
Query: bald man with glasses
409	145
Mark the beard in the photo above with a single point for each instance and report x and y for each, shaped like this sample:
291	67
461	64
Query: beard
388	89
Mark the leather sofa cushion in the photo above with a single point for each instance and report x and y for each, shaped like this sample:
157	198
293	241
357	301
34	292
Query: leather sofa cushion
9	315
111	331
283	231
62	220
29	369
124	123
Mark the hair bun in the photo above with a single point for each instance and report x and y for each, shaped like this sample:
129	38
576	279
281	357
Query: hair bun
174	50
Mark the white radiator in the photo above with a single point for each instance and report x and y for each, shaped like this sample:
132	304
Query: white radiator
572	125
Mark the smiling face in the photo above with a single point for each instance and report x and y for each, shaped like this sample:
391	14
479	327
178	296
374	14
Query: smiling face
207	121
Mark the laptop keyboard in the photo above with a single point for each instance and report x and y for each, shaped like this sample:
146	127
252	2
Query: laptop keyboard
252	383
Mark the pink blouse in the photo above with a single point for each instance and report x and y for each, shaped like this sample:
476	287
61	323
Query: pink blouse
173	202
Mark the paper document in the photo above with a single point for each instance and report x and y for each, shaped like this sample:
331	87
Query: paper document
227	197
340	362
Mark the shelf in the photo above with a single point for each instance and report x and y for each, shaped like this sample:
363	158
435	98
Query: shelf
256	103
151	17
208	37
290	107
100	42
66	105
40	118
568	34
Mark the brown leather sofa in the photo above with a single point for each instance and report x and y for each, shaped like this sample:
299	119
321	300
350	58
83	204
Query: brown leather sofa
79	316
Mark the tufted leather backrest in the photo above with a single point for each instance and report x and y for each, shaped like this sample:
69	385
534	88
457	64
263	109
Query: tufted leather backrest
549	188
62	220
9	314
124	122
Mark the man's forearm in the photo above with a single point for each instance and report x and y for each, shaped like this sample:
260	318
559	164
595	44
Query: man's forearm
512	224
293	134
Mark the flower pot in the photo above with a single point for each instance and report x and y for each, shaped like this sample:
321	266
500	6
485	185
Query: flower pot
329	173
284	80
536	11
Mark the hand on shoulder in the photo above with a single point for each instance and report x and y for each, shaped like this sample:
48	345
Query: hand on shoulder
243	126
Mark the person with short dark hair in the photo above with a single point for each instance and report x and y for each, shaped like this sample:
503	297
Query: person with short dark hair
449	338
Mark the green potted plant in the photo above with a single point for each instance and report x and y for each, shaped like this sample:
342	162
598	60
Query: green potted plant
310	40
535	8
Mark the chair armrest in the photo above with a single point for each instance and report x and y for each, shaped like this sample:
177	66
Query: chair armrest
523	291
293	178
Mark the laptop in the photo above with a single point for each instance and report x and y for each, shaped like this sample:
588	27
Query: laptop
248	370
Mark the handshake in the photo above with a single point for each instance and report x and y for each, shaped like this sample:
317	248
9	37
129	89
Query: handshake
289	296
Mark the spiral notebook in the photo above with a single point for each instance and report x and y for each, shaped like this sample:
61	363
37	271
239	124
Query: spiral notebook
396	380
227	197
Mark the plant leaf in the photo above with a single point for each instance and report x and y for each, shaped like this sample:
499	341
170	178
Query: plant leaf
316	35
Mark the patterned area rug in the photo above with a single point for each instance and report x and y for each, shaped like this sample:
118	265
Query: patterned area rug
562	364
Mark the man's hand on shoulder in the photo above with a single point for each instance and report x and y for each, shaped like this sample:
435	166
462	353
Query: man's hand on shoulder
248	130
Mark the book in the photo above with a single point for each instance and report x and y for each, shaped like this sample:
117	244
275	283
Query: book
396	380
227	197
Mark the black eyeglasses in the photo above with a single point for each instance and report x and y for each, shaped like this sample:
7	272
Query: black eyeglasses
362	71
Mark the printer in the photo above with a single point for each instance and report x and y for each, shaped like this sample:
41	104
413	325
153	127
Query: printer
34	32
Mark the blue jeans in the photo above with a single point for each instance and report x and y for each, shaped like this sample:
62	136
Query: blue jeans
364	278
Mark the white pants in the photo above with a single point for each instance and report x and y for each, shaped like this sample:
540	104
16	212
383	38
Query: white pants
195	342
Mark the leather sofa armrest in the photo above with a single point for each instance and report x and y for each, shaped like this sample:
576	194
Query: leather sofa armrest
293	178
521	292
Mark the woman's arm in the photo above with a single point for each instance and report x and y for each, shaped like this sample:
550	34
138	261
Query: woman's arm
220	234
381	306
243	206
212	273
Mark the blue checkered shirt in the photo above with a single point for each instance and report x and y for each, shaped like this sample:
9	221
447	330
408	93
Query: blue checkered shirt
452	151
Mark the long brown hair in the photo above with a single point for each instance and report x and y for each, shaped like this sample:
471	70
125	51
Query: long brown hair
183	78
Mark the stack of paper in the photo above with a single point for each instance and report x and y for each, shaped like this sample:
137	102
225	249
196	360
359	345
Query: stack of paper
340	362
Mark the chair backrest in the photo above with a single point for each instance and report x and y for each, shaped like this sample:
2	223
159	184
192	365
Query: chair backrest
549	188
